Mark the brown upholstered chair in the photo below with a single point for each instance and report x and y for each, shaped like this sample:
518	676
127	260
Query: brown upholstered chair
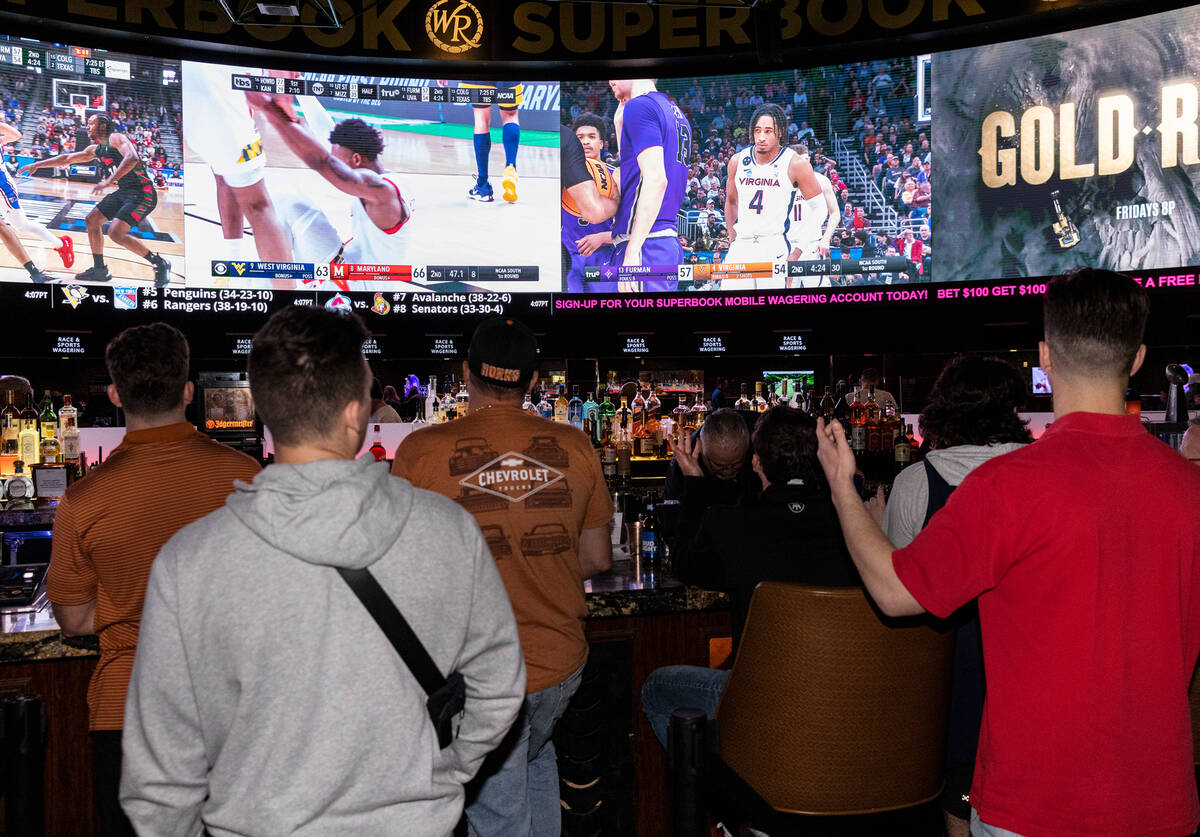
833	709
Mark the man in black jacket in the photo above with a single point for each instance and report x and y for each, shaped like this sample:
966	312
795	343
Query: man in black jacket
788	533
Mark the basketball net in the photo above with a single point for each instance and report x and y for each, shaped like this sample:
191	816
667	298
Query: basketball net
80	113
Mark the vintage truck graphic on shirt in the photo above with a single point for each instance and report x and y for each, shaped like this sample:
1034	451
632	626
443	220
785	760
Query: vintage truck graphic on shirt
556	496
510	476
546	539
469	454
546	449
477	502
497	541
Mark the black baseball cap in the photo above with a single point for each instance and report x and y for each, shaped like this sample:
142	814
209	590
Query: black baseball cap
503	352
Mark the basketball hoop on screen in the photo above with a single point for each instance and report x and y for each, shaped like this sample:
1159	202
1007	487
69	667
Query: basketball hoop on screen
80	112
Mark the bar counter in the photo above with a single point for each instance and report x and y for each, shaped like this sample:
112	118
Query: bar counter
637	621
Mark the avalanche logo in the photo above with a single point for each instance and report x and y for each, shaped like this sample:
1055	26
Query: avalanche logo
75	294
381	306
338	303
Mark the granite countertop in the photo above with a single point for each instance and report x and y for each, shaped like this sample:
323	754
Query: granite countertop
628	589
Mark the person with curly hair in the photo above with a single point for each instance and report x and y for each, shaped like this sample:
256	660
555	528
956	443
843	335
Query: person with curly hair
971	417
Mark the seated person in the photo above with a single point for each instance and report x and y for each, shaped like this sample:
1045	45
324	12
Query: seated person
789	533
722	448
971	417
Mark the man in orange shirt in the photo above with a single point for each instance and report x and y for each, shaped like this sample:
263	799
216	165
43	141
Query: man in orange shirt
110	526
536	489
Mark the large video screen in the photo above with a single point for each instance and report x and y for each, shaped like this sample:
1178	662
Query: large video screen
815	183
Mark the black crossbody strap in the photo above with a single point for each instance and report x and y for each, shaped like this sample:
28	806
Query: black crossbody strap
395	628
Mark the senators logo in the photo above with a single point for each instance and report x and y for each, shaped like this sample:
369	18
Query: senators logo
454	26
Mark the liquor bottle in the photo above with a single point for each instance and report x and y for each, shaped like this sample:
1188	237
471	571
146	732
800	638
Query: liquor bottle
638	407
699	411
19	486
653	406
561	405
433	407
28	439
760	403
462	401
912	442
544	408
575	409
608	418
649	535
67	411
681	415
48	420
623	422
891	422
49	450
1064	228
858	425
377	449
901	451
608	460
591	419
743	405
10	425
826	405
874	422
643	441
624	461
449	402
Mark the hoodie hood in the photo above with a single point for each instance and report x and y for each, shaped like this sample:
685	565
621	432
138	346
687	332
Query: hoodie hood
954	463
334	512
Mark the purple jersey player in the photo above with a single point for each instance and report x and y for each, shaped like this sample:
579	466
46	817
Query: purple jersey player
656	144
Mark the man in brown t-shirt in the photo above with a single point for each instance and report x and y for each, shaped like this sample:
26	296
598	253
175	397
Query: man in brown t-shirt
536	489
110	526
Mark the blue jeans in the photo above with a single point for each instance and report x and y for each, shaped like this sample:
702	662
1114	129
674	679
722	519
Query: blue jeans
979	828
678	687
516	791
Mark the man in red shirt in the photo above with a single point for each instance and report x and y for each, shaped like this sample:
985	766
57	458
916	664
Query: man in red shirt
1083	550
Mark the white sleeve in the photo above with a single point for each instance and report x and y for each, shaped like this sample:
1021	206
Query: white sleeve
905	513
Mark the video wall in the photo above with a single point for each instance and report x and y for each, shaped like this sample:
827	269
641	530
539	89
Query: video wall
140	173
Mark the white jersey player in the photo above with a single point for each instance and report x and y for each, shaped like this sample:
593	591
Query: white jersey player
765	183
220	128
16	222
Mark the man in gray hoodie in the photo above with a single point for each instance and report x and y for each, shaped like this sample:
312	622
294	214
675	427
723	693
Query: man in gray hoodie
264	698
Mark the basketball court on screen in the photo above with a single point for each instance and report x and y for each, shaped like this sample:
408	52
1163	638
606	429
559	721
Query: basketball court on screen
61	205
433	165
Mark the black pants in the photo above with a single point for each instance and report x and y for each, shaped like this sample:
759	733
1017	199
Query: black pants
106	764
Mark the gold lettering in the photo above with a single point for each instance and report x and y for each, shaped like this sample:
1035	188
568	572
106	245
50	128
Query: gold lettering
894	21
156	8
530	19
87	8
734	24
792	20
630	21
566	25
376	23
1179	112
999	165
830	28
941	8
1037	145
1114	146
336	38
1067	167
678	28
205	16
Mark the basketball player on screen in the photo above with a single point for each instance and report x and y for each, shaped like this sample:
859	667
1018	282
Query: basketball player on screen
134	199
587	244
351	164
656	145
819	246
16	221
510	135
760	192
220	128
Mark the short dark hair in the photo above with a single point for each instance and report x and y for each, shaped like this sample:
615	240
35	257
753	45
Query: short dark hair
1095	321
359	137
306	364
149	367
376	389
589	120
776	114
785	440
973	403
870	375
103	122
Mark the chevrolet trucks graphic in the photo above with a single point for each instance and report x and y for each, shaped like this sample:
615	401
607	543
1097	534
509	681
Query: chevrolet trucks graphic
511	476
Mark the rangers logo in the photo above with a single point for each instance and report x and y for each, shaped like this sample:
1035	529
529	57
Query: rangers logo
125	299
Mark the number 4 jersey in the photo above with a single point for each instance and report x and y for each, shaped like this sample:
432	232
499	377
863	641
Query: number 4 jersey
765	198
